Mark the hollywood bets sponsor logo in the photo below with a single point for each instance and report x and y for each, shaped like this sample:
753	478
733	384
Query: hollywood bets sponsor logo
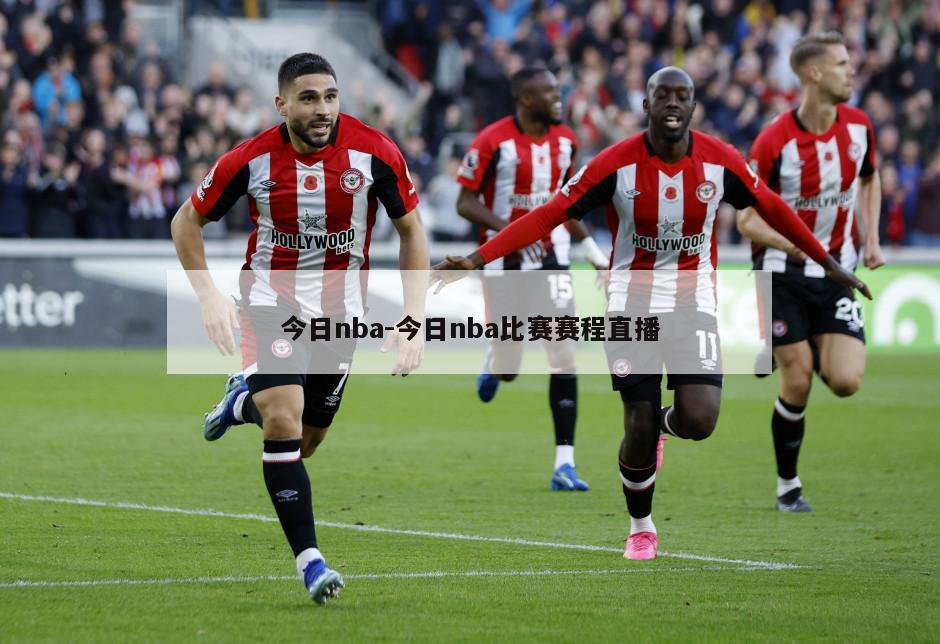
341	242
281	348
689	244
706	191
351	181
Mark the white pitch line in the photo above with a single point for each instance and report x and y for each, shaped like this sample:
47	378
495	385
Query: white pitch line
763	565
432	574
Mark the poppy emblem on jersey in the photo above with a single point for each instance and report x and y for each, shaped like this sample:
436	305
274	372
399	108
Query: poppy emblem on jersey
780	328
828	156
351	181
706	191
670	193
281	348
622	367
311	184
855	151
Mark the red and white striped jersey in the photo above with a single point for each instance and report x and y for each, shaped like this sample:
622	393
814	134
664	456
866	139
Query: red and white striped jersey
313	212
817	175
513	173
662	216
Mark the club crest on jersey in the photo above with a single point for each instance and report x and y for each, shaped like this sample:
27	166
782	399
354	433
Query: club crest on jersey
311	183
706	191
566	189
281	348
206	183
855	152
779	328
351	181
670	193
621	367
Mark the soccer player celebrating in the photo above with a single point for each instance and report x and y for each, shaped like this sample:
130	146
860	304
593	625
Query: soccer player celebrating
513	166
820	158
659	187
320	173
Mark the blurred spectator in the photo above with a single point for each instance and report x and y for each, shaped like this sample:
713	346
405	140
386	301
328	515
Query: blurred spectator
102	188
149	175
53	195
14	208
442	194
909	170
892	206
216	85
53	92
925	226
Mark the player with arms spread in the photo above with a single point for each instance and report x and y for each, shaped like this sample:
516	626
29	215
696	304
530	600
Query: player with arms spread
313	184
514	165
820	158
661	189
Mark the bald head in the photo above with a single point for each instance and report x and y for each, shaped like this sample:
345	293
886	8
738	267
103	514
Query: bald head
670	101
671	76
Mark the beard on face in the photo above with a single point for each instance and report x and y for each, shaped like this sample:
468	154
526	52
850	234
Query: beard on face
300	128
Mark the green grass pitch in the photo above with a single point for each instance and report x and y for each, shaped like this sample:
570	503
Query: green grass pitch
422	458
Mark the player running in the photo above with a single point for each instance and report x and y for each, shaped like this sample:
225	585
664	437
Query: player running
661	188
312	185
513	166
820	158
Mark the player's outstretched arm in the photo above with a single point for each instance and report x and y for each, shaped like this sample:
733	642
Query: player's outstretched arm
869	211
218	312
531	227
751	225
414	260
781	218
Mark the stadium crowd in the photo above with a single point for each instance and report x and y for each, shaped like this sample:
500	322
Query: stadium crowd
100	140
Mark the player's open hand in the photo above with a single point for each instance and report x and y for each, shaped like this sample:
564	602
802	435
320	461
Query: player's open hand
453	268
534	252
872	256
410	351
835	271
221	320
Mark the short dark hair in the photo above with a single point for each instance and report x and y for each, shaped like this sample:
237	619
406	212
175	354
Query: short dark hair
812	45
523	76
301	65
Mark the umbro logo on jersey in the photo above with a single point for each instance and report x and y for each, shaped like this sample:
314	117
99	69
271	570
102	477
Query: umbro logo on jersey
632	194
267	185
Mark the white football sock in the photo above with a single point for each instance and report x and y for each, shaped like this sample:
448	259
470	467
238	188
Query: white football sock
239	403
785	485
642	525
305	557
564	454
